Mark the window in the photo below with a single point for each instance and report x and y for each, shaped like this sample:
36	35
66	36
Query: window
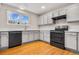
25	19
17	18
13	18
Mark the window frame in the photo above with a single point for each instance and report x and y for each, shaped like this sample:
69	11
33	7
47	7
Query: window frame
10	11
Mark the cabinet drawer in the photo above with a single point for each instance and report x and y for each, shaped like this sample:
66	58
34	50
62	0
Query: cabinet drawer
4	33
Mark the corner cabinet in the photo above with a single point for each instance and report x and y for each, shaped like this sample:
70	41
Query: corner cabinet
30	35
36	35
45	35
41	35
71	40
73	13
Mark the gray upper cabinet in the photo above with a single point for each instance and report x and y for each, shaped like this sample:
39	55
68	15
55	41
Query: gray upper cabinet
71	40
62	11
56	13
73	13
50	15
45	18
41	21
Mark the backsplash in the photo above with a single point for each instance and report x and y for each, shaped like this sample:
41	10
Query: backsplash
5	26
72	26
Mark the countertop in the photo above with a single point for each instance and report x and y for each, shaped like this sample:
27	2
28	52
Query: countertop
73	31
6	30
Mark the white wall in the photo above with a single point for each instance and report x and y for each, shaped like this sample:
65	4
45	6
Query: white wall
3	20
33	24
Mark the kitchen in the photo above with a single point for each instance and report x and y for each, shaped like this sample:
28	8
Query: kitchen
41	27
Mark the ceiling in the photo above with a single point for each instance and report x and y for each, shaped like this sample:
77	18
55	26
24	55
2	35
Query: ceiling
38	8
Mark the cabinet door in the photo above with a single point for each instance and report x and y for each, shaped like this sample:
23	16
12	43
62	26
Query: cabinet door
62	11
41	20
73	14
56	13
41	35
78	41
25	37
36	35
47	36
4	40
45	18
49	20
70	41
31	36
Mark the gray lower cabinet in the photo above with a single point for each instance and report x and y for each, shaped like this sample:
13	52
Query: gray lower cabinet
31	35
78	41
71	40
36	35
45	35
25	37
41	35
4	40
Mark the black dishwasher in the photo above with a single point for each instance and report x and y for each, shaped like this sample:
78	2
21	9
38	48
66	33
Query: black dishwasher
15	38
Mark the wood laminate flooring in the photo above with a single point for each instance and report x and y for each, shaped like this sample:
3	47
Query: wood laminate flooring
35	48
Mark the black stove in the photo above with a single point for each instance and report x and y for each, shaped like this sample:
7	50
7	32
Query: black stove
57	36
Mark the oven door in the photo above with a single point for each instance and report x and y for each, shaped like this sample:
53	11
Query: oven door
57	36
